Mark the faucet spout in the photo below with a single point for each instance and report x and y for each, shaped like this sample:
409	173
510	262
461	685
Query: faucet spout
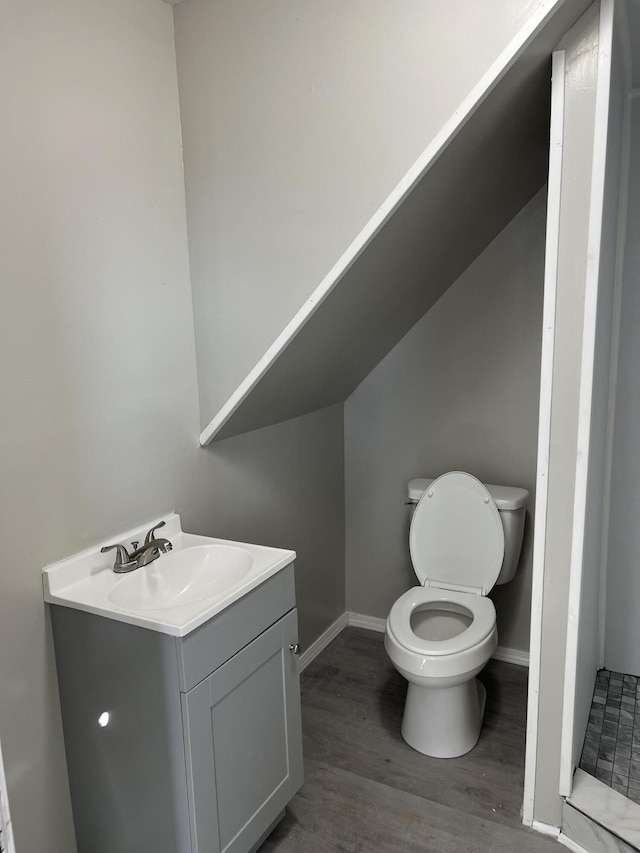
150	551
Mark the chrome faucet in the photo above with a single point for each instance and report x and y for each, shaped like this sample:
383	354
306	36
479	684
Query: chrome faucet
123	562
140	556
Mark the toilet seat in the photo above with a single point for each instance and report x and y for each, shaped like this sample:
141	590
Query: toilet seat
456	538
483	620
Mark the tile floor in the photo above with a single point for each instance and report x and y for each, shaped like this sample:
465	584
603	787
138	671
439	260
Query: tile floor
611	750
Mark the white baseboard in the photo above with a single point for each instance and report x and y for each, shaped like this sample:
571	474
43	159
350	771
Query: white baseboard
359	620
556	832
571	844
310	654
511	656
546	828
374	623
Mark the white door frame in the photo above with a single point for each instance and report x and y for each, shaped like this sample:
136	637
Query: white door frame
544	425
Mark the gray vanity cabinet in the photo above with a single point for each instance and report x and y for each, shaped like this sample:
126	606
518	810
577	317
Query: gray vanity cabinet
203	748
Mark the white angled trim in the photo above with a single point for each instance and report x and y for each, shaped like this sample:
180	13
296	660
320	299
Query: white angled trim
322	642
544	10
571	844
359	620
544	425
545	828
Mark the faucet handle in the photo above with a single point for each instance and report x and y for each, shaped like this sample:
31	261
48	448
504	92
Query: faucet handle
123	559
150	537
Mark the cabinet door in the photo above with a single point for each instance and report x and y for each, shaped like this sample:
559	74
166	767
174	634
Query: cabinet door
244	742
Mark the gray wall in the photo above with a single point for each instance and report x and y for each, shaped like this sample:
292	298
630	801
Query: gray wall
460	391
298	119
622	635
97	362
284	486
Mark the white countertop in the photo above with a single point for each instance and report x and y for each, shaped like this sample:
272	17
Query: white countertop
86	580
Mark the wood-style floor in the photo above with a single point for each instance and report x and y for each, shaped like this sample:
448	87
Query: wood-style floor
366	791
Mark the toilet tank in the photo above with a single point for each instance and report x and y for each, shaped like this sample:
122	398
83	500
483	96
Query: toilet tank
512	506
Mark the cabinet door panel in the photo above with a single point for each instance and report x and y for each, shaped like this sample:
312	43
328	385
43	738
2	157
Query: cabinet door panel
250	741
249	763
201	783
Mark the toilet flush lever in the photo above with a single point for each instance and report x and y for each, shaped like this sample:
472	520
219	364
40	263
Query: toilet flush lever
294	648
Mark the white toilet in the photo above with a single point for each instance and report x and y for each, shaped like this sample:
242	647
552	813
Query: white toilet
464	538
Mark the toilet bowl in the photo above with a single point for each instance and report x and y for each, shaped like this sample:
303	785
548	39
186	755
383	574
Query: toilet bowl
464	538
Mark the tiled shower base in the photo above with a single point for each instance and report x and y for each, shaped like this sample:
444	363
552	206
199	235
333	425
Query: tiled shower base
611	749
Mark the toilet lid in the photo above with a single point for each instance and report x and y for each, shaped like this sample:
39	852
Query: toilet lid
456	538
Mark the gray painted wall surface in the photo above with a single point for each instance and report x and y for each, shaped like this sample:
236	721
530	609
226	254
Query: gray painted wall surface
97	362
285	485
632	27
622	635
298	119
460	391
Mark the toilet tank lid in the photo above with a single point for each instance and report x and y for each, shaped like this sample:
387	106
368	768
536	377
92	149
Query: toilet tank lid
505	497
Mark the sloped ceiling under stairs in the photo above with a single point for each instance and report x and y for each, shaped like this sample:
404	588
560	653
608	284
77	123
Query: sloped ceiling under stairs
480	171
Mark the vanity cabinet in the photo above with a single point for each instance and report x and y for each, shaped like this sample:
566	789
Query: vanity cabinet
202	747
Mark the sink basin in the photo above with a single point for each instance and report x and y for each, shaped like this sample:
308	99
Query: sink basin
174	594
183	577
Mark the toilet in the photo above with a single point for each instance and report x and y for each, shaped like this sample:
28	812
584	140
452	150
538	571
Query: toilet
464	538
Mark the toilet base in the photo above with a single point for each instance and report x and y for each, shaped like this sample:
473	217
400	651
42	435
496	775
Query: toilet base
444	722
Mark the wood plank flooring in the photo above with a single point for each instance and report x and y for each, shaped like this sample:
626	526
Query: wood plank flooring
366	791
